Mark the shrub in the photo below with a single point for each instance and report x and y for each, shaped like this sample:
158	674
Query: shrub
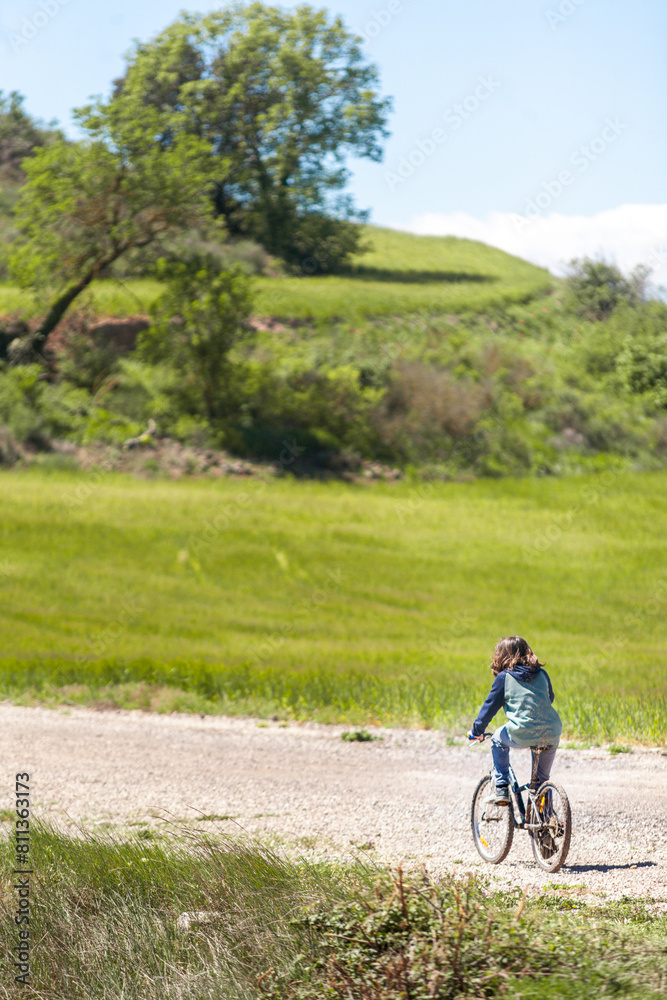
249	256
358	736
426	411
22	405
322	244
595	288
11	328
197	321
642	369
35	411
324	409
261	925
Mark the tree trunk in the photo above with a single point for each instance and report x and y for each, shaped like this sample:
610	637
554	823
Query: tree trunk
64	301
61	305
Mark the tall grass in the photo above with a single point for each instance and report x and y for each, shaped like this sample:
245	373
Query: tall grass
358	296
324	696
105	923
105	909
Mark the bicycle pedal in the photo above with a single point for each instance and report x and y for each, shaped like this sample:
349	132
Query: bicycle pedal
494	800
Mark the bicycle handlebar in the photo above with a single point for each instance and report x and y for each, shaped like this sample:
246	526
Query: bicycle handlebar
479	739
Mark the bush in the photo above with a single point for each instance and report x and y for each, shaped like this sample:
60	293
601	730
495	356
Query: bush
642	370
35	411
245	254
143	392
324	245
323	409
11	328
595	288
261	925
197	321
23	405
426	412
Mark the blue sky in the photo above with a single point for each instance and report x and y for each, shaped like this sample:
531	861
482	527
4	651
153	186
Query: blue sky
544	88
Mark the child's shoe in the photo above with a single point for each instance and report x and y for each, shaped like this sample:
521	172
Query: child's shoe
500	795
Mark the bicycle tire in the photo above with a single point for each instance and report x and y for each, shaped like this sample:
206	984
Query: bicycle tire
493	850
563	816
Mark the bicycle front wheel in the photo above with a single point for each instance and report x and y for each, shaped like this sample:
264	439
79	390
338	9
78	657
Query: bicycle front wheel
492	825
552	841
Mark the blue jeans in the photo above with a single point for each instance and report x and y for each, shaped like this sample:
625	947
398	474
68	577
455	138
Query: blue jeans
500	751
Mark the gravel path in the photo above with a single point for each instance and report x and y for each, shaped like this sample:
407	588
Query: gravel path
403	798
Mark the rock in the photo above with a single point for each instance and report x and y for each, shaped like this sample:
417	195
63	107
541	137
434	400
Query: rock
143	439
195	918
120	331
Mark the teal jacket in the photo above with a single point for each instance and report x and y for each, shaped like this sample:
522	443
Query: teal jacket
526	695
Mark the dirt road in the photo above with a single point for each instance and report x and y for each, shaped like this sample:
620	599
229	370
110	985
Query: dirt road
405	797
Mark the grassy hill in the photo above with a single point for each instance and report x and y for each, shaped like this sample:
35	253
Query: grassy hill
432	352
438	353
401	273
404	273
338	602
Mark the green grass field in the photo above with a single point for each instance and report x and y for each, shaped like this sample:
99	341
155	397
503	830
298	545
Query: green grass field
361	603
402	273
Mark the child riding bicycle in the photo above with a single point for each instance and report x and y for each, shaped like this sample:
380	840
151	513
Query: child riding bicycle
522	688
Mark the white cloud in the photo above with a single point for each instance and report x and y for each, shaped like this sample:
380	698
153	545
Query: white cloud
628	235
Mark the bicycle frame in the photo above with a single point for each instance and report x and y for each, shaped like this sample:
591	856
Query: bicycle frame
517	789
524	822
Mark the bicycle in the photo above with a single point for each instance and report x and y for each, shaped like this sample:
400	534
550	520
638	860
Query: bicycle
546	815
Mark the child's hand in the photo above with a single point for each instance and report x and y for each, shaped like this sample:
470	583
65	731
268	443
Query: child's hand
471	736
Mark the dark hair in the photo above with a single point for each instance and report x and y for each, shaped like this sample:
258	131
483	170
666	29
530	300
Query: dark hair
511	652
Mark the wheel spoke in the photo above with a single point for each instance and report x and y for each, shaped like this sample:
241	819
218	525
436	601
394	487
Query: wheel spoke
492	825
551	841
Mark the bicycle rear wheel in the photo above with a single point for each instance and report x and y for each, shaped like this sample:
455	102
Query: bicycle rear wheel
492	825
552	842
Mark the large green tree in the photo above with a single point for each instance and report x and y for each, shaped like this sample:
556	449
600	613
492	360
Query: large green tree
281	97
20	134
86	204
